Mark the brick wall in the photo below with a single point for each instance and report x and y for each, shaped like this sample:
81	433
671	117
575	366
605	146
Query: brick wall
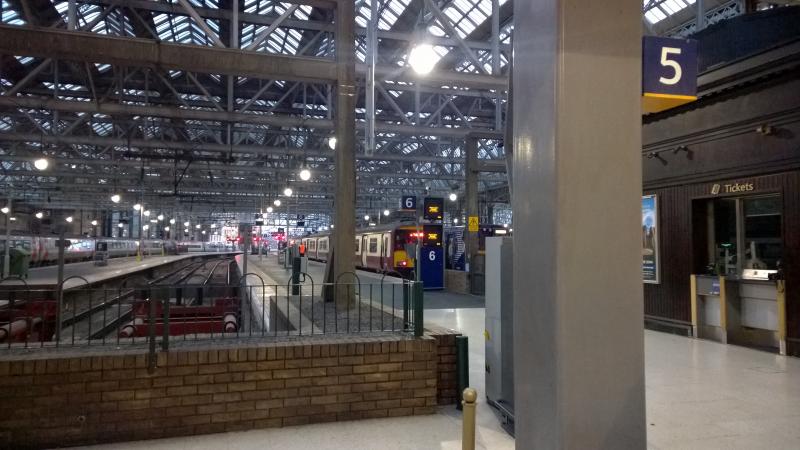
70	400
447	375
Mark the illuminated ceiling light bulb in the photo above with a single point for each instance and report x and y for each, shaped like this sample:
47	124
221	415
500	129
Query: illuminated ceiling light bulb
69	219
172	221
366	217
269	209
116	198
166	228
453	197
137	207
160	217
264	216
146	227
287	192
213	225
277	203
39	215
455	221
41	164
305	174
186	224
120	225
153	221
94	223
422	59
13	219
332	142
146	213
386	212
5	209
185	230
505	225
204	231
198	226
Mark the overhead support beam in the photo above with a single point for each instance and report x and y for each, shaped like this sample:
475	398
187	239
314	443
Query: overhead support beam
117	109
226	148
312	25
95	48
201	23
102	49
272	27
451	30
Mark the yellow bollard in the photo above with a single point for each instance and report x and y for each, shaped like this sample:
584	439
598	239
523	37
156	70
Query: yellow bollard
468	430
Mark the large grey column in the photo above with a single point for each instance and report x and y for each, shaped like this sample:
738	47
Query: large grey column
578	325
345	199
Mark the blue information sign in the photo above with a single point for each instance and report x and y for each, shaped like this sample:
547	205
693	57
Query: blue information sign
408	203
669	72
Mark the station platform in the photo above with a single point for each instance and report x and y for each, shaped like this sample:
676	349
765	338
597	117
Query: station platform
47	277
274	273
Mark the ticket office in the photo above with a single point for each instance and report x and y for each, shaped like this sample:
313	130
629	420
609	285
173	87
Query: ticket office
737	286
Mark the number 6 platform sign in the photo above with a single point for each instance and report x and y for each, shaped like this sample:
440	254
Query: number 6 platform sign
669	73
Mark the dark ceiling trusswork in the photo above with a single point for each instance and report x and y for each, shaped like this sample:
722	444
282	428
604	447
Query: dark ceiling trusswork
219	104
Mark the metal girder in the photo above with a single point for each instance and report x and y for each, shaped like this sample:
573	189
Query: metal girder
210	147
231	168
116	109
313	25
78	46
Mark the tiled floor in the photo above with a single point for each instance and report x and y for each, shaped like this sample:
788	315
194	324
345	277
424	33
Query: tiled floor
700	395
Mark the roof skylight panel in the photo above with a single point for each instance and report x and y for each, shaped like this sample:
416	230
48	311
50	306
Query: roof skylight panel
10	15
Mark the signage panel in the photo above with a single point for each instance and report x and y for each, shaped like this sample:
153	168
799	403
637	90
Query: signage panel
408	203
669	73
433	208
473	223
650	239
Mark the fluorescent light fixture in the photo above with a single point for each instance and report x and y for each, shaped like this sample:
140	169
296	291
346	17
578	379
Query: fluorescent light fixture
5	209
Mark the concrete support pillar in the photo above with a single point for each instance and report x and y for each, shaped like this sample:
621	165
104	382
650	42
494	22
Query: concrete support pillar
345	199
578	314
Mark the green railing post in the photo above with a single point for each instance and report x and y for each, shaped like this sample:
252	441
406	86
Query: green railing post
165	334
462	366
418	308
406	303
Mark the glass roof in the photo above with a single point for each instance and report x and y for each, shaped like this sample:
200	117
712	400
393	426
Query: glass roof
657	10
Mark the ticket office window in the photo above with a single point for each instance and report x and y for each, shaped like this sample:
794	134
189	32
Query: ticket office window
744	233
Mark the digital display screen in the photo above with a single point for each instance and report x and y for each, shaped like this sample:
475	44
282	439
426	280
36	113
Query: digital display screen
434	208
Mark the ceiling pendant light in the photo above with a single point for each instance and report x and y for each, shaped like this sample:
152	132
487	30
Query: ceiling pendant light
41	164
422	58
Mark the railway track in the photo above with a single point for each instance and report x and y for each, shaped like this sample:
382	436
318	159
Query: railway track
99	320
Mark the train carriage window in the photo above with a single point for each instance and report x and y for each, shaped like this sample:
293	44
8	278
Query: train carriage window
373	245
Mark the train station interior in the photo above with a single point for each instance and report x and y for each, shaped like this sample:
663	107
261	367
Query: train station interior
400	224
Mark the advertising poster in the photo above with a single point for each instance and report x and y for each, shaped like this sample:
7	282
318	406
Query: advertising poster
649	239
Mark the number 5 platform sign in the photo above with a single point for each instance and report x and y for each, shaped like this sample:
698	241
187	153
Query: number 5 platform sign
669	73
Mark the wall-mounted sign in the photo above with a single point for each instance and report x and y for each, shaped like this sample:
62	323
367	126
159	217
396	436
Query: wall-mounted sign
473	223
731	188
650	239
408	203
669	73
433	208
